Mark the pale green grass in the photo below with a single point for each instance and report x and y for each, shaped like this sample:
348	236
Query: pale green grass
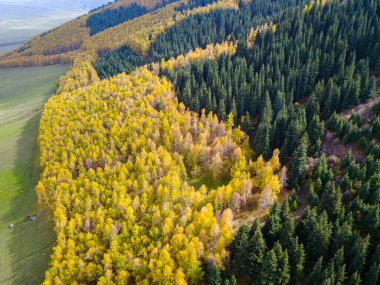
208	181
24	249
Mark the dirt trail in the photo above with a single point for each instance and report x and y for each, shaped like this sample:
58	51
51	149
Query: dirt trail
363	110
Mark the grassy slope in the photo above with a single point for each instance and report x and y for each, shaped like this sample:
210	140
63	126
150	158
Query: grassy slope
25	249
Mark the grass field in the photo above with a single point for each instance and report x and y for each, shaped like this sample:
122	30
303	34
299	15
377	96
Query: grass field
25	248
208	181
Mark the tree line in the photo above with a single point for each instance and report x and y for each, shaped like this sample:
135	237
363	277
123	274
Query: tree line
108	18
326	69
196	31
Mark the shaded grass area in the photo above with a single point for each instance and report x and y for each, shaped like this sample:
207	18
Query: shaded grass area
25	248
208	181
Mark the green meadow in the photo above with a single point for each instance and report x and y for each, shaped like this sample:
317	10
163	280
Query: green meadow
24	247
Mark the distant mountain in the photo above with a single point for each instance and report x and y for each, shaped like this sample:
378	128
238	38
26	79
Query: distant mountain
23	19
51	5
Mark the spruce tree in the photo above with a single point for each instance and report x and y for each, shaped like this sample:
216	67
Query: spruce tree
269	269
293	134
335	272
317	276
272	227
279	103
372	276
246	125
315	232
354	279
239	250
279	128
186	95
234	111
283	275
208	106
312	107
213	276
356	253
297	258
315	132
332	202
297	163
342	235
221	111
256	250
263	135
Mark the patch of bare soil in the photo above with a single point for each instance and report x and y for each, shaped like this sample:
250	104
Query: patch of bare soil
332	147
363	110
249	216
302	204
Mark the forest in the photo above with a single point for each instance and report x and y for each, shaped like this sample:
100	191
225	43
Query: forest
215	26
108	18
128	198
227	142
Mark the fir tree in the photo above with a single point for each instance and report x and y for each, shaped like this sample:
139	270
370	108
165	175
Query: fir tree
317	275
315	132
221	112
357	253
256	250
246	125
335	272
354	279
272	227
332	202
239	249
315	232
297	163
275	269
262	139
213	276
372	276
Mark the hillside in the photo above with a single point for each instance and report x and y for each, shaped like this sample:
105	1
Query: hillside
200	141
62	44
22	19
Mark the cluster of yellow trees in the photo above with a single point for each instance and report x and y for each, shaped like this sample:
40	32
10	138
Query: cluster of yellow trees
259	30
221	4
209	53
307	8
81	73
139	33
61	44
116	161
150	4
56	46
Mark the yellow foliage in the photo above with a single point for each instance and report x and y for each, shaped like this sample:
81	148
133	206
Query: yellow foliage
60	44
210	52
260	29
139	33
124	165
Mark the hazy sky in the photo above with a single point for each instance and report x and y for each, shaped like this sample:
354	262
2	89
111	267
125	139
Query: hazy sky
22	19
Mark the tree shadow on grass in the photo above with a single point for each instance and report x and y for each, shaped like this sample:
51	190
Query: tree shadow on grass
31	241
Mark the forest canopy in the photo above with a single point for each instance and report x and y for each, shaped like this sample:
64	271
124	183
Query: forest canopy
213	141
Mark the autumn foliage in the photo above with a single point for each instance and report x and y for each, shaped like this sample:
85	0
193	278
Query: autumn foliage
61	45
117	159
